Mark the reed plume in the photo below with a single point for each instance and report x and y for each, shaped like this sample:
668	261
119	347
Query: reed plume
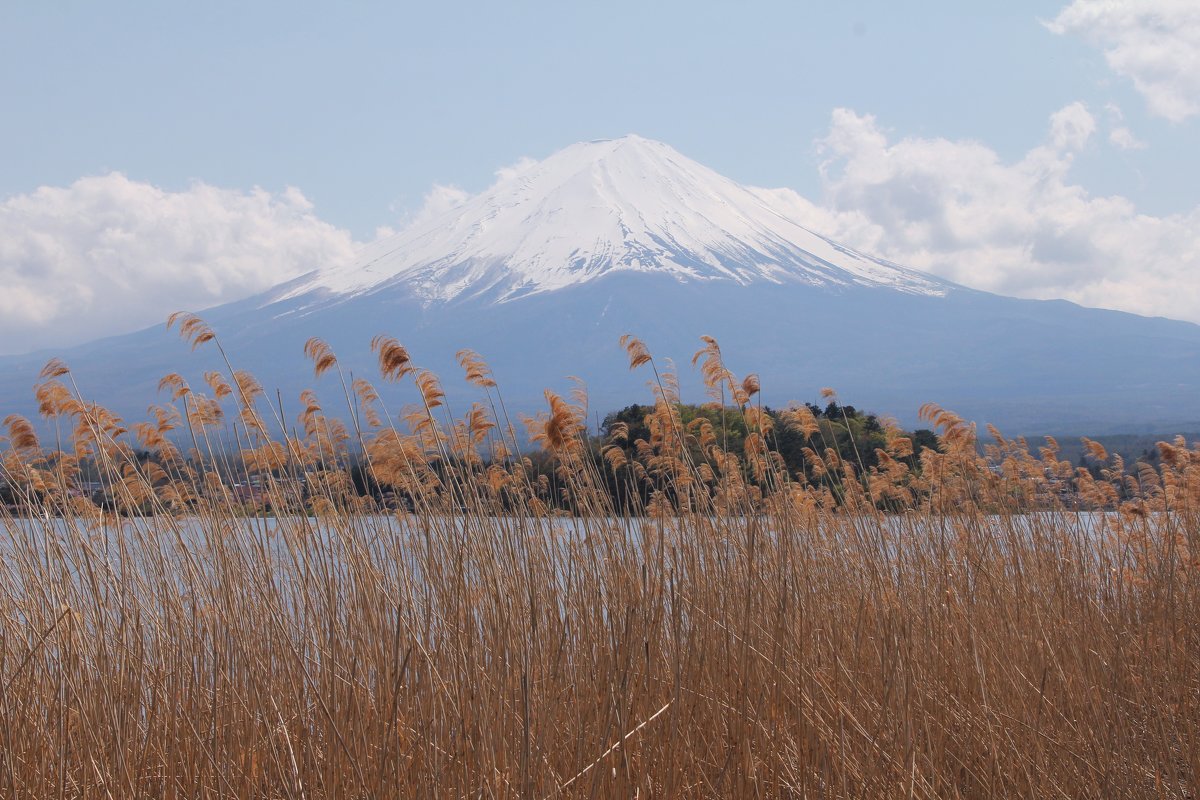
321	354
201	605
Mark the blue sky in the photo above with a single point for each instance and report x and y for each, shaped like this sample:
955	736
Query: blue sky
343	117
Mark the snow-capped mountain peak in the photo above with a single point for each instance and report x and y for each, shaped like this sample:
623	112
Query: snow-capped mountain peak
594	208
544	271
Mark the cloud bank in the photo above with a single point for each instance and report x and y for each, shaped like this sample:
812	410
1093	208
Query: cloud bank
956	209
1154	43
108	254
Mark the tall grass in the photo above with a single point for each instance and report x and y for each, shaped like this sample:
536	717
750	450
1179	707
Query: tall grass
948	624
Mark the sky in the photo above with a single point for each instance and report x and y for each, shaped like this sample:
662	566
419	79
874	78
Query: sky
159	156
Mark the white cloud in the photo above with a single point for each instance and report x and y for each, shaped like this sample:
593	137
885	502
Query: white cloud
443	198
1119	135
1123	138
108	254
1154	43
956	209
438	201
1071	127
515	169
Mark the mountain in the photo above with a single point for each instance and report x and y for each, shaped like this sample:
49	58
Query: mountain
626	205
542	272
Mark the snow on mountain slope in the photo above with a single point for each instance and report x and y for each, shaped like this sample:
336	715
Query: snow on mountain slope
628	204
551	265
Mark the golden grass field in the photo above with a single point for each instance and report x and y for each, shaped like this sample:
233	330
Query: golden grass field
973	622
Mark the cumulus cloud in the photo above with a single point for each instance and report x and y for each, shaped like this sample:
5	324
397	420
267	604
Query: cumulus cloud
1154	43
513	170
108	254
443	198
1118	135
956	209
438	201
1071	127
1124	139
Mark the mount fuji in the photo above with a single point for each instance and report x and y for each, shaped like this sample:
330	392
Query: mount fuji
542	273
600	208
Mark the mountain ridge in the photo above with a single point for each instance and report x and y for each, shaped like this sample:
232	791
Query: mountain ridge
546	269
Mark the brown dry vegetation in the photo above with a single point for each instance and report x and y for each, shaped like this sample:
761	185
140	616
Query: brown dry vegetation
946	628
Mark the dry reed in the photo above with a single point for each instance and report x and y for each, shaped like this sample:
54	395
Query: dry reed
946	624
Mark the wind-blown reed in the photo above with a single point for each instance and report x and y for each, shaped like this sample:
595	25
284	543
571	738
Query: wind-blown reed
656	618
